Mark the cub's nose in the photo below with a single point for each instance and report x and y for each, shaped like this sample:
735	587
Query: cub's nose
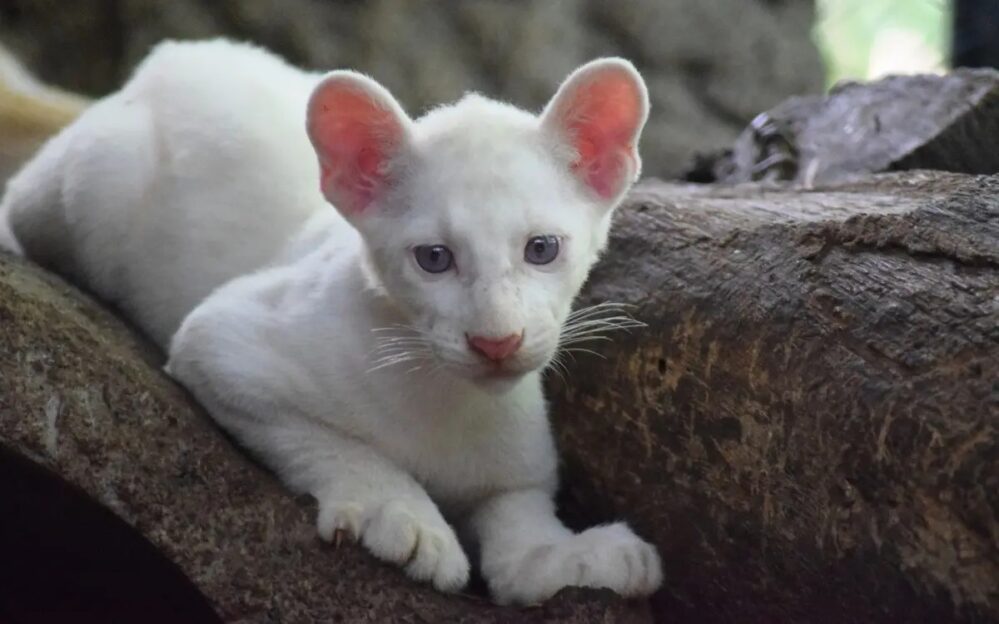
496	349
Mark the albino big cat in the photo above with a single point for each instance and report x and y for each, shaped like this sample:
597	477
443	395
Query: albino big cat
384	356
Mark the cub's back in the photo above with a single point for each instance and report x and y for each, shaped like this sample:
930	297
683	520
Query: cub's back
198	170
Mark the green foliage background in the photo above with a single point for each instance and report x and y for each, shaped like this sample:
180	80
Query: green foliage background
846	29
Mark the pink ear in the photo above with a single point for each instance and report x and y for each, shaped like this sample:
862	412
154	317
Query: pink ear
357	128
600	111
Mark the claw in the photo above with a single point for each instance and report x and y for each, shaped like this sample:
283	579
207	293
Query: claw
338	537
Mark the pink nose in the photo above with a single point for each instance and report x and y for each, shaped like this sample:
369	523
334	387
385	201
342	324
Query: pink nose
496	349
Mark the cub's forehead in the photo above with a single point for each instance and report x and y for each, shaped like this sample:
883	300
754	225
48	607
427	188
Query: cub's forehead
481	164
477	128
503	177
473	112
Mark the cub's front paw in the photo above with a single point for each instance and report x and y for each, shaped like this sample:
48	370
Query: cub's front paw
608	556
425	545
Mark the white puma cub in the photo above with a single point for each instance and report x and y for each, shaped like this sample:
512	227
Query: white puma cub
386	359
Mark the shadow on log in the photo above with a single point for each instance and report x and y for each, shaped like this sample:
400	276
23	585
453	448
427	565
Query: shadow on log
80	394
809	426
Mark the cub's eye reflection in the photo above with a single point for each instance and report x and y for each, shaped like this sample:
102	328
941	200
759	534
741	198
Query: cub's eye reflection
433	258
541	249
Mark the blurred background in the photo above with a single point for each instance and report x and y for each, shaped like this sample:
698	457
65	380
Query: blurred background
869	39
711	65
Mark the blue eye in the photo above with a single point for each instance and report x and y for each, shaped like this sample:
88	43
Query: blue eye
541	249
433	258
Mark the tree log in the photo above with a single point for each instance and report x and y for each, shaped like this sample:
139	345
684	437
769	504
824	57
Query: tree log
809	426
899	123
82	394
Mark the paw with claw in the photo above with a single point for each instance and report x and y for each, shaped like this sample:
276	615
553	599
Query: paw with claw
422	543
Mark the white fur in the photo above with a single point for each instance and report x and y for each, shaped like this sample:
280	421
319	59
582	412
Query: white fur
28	111
332	355
179	182
8	241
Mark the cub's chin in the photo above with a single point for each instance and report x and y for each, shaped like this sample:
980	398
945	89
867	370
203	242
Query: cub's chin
497	378
497	385
503	378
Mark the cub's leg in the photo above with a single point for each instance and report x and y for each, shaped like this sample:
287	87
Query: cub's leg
528	554
225	353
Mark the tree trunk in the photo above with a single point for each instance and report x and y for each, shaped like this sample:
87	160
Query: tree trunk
898	123
809	426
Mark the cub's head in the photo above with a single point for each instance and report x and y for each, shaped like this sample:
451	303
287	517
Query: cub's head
481	220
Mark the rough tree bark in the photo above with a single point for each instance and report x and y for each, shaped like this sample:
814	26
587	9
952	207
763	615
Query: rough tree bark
809	426
899	123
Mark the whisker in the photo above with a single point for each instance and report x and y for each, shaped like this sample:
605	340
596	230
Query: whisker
399	345
626	321
389	338
384	357
595	329
599	308
589	325
581	350
585	338
386	365
557	367
397	339
394	355
563	370
436	368
405	329
601	319
400	340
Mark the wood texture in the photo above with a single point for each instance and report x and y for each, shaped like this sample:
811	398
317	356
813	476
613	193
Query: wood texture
809	426
899	123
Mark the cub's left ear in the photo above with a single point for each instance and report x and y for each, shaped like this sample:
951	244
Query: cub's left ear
599	112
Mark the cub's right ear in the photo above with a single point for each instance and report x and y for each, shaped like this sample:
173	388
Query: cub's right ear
357	129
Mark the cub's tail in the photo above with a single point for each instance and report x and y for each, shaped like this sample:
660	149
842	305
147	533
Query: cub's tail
30	113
